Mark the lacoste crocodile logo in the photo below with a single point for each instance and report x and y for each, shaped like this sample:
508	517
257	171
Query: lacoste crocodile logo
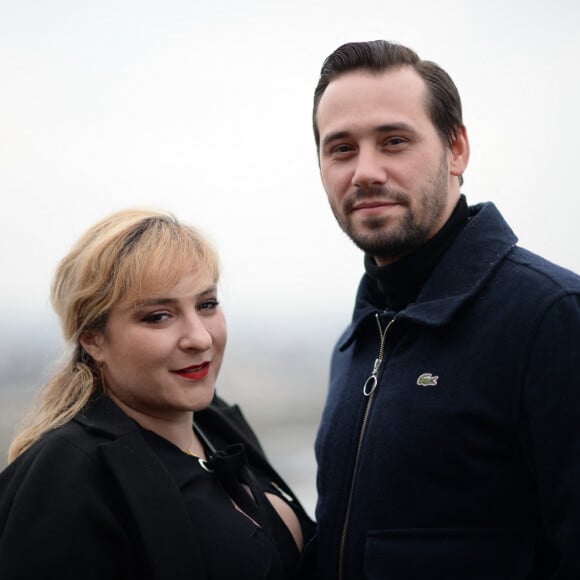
427	380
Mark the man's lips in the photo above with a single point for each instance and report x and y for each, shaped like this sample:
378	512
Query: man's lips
370	200
194	372
373	204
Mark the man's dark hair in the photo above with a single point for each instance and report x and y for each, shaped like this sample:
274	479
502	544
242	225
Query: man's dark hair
444	103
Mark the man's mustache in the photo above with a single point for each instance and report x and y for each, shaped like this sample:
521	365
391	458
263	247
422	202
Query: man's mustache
374	194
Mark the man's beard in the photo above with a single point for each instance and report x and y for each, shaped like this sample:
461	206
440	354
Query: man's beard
392	238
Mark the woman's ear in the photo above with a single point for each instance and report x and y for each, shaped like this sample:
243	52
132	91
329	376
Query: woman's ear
92	343
459	152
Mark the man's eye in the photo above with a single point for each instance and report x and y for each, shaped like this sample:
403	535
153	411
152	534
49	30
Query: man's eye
395	142
342	149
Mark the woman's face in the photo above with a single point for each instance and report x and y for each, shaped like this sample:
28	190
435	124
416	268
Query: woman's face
160	358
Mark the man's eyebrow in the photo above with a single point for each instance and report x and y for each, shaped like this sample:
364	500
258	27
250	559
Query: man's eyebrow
391	127
386	128
335	137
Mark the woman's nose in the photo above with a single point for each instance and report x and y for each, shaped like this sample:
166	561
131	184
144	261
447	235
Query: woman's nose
195	335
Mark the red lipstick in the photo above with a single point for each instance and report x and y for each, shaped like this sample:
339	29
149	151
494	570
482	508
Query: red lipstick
194	372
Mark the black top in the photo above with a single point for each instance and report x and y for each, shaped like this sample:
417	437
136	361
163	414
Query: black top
253	543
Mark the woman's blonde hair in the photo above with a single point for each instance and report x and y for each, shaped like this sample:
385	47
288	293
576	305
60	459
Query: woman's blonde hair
124	257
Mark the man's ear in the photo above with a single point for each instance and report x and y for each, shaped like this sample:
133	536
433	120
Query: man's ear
92	342
459	153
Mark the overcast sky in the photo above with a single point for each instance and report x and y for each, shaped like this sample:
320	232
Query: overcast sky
203	108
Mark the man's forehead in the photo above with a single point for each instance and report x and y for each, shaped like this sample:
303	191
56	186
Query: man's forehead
360	94
355	85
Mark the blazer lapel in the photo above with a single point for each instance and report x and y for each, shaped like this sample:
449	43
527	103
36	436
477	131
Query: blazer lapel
153	498
157	506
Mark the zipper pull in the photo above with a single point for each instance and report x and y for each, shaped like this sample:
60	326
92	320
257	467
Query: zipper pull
371	383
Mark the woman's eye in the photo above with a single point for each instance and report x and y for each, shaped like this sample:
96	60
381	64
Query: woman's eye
156	317
209	305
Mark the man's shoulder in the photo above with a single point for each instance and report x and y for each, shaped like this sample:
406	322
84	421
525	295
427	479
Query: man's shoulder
542	273
491	235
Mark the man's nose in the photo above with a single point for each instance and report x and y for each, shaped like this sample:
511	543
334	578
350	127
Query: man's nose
370	169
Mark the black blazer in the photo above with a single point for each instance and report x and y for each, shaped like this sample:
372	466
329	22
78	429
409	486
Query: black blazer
91	500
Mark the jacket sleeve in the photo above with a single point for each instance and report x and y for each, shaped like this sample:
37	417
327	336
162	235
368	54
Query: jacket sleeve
61	517
550	423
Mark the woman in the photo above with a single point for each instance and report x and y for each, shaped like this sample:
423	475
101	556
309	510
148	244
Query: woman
130	466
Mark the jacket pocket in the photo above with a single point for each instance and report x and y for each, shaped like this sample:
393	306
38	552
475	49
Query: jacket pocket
450	554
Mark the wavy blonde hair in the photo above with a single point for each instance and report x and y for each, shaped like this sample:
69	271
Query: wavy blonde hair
122	258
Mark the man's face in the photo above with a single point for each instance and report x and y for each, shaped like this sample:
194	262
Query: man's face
390	180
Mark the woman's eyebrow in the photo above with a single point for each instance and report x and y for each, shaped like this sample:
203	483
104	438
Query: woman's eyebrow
161	301
155	302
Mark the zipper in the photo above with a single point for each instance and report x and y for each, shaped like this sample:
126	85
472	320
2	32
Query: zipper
369	389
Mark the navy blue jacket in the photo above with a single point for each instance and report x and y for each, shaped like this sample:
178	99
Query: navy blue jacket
461	458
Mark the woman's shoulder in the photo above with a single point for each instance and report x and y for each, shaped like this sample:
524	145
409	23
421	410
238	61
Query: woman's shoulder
74	443
64	447
58	468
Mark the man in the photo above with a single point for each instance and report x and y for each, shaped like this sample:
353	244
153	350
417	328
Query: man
449	446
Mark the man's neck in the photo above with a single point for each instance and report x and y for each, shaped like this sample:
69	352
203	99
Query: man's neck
400	282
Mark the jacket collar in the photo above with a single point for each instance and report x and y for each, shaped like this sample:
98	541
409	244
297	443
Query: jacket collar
102	416
472	258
